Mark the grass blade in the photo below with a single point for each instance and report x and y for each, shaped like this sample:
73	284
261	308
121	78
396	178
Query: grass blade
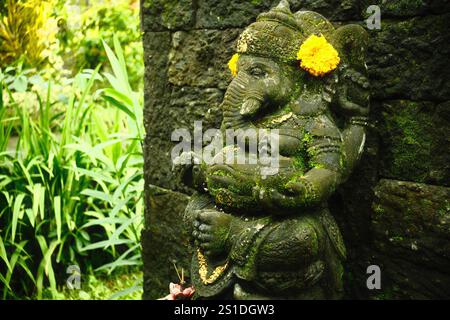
16	215
57	204
4	255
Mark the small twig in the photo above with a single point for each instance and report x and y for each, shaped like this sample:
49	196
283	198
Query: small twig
181	278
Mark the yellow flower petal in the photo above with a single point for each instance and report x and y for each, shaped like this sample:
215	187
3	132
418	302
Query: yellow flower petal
232	64
318	56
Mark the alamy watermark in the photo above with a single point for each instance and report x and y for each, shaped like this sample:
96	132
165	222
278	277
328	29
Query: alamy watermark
230	146
374	20
74	280
374	280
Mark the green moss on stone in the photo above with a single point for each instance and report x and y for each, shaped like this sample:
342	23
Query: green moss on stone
408	138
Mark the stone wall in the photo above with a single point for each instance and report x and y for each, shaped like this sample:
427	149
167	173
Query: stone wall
394	211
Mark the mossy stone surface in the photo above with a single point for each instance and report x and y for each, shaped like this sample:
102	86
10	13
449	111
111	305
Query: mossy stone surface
162	15
415	141
410	226
164	241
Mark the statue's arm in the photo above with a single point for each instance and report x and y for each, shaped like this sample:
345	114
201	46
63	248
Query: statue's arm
326	161
331	156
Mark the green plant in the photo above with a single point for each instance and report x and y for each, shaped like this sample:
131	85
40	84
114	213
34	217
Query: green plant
123	223
39	203
26	31
104	20
119	286
67	193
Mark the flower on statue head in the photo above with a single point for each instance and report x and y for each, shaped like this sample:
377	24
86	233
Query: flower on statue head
232	64
318	56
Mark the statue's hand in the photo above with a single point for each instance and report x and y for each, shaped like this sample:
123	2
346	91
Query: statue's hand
187	167
353	95
212	231
292	197
296	188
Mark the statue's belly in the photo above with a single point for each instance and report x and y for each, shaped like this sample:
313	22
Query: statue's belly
233	183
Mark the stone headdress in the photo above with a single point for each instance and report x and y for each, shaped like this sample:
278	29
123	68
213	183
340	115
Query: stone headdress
279	33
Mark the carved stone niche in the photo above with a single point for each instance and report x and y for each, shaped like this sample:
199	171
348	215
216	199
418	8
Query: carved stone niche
262	229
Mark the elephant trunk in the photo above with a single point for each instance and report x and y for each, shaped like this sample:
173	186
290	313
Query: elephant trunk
239	103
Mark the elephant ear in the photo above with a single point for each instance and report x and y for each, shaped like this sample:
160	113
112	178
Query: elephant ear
352	96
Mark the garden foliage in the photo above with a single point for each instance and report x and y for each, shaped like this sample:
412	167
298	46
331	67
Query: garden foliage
71	181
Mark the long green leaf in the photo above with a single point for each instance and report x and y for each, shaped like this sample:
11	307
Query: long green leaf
121	58
3	254
106	244
104	222
37	194
117	69
42	202
57	204
120	106
30	215
45	267
16	215
14	258
97	194
121	260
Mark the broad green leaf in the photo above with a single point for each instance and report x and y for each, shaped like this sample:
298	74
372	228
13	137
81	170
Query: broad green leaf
113	81
1	93
123	186
88	87
25	172
4	181
125	225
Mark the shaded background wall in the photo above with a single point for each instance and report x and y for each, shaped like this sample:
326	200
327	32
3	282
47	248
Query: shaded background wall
394	211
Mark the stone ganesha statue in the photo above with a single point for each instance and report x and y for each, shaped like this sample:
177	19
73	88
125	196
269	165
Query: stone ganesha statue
273	237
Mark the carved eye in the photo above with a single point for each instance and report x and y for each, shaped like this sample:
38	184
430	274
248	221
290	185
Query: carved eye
257	72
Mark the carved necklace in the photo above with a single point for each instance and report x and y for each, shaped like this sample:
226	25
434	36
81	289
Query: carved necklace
203	269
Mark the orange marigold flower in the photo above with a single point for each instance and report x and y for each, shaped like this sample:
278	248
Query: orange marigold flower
318	56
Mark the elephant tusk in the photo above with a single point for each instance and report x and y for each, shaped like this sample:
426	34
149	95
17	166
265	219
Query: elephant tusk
250	107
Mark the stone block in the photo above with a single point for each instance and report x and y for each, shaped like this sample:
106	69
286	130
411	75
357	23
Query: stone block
411	233
415	141
161	15
408	59
199	58
165	243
